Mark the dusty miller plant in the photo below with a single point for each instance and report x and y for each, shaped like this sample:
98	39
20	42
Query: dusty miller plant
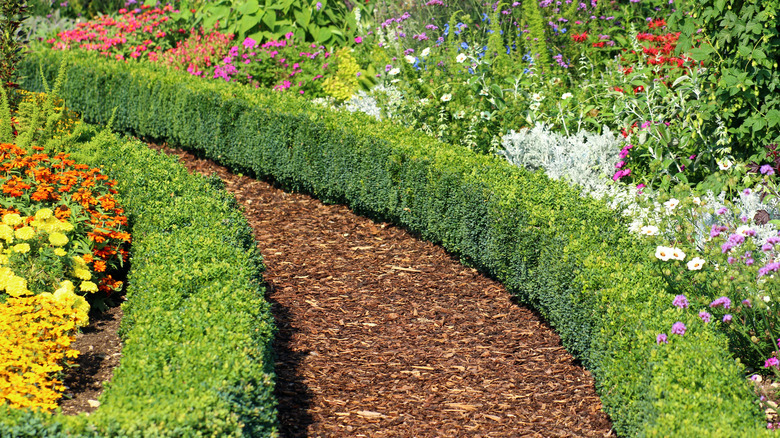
583	159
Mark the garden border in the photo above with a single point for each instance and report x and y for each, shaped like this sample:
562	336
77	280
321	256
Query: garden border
572	258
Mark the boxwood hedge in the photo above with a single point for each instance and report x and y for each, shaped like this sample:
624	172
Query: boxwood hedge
196	359
569	257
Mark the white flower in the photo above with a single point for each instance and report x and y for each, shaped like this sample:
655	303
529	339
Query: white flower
663	253
484	92
649	230
486	115
672	203
695	264
394	71
424	101
460	114
766	298
446	98
565	96
461	57
677	254
426	51
537	97
743	230
724	164
696	200
410	59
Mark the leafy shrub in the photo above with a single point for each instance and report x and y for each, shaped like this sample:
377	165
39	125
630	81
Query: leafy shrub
570	257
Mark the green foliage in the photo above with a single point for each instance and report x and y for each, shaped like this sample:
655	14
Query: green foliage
263	20
12	15
536	35
740	45
570	257
197	330
344	83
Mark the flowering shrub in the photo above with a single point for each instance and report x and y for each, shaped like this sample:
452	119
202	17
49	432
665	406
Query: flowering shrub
35	336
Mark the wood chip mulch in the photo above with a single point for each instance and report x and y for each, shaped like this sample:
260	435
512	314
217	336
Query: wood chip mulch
384	335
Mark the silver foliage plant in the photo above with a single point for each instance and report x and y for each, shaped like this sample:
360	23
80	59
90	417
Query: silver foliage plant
585	159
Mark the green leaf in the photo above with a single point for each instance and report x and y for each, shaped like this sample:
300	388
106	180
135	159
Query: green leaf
773	117
701	53
302	17
249	8
324	35
269	19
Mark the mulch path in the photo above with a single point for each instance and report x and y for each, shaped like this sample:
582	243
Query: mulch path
382	334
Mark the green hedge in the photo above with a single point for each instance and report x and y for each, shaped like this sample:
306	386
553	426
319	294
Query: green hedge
569	257
196	359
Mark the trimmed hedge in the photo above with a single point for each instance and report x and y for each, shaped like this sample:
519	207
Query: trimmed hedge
569	257
196	359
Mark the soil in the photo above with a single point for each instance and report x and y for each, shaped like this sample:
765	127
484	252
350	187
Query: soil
384	335
100	350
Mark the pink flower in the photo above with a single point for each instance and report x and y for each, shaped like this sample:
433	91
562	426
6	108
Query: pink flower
358	40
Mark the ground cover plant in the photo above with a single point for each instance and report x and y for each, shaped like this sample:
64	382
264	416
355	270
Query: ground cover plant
650	98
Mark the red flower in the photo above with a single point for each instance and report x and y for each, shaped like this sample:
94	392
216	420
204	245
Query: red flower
580	38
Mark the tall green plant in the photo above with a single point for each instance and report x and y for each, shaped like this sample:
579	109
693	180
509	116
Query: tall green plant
739	42
12	14
536	37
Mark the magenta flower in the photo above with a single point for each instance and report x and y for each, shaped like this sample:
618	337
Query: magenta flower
727	317
766	169
661	338
680	301
358	40
771	362
678	328
249	43
705	316
722	301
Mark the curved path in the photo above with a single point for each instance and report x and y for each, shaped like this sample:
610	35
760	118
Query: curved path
384	335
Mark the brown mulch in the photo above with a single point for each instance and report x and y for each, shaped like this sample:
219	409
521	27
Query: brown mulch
382	334
100	350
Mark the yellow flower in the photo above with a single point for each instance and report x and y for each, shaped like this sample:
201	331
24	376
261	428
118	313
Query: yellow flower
44	214
16	286
21	248
66	286
25	233
88	286
5	274
3	259
77	302
12	219
60	252
58	239
83	274
63	226
6	233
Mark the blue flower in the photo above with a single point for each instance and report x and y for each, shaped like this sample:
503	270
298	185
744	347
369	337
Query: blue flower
464	46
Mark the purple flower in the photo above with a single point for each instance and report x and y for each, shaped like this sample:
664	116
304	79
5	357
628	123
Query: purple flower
774	240
770	267
705	316
721	210
388	67
771	362
731	260
715	231
766	169
680	301
767	247
727	317
318	6
746	302
661	338
722	301
678	328
249	43
749	261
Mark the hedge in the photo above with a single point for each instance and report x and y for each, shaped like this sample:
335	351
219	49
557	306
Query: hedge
571	258
196	359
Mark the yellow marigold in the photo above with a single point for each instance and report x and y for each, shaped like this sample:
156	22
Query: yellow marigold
58	239
77	302
3	259
25	233
82	274
63	226
44	214
88	286
66	286
21	248
6	233
5	274
16	286
60	252
12	219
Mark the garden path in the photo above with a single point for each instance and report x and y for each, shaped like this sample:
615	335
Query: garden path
384	335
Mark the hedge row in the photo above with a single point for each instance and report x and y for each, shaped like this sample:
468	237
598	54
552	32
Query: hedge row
569	257
196	359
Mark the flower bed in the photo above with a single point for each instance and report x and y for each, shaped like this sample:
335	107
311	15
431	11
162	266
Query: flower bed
571	257
196	331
